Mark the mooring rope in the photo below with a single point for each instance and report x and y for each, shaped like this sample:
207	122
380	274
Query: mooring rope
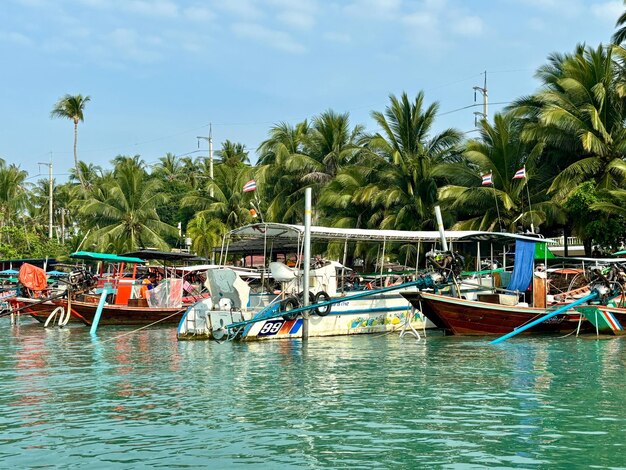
141	328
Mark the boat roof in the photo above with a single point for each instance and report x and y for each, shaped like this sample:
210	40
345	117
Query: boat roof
108	257
147	253
504	237
293	232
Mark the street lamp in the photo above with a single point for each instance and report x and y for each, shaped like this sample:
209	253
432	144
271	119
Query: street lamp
210	140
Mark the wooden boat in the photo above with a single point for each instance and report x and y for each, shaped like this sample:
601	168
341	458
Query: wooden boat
122	307
467	317
348	309
606	319
111	314
500	312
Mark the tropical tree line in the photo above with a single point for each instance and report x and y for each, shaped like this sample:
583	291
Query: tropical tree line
569	137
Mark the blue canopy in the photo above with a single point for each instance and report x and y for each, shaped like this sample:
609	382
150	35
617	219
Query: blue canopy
523	267
107	257
9	272
57	273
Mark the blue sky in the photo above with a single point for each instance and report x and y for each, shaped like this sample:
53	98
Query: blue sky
158	71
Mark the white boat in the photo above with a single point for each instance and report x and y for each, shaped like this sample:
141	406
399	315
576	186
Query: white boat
337	307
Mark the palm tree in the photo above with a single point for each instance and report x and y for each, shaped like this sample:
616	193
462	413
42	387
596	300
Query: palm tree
169	167
277	183
504	204
205	235
13	194
72	107
620	35
579	113
233	153
124	210
408	156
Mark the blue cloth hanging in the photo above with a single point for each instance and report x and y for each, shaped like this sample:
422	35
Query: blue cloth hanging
523	267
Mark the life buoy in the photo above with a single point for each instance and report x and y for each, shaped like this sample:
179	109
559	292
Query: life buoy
322	296
289	303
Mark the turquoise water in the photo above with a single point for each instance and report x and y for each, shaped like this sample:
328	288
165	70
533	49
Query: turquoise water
146	400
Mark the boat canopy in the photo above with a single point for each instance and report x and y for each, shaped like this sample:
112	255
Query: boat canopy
163	255
294	232
107	257
503	238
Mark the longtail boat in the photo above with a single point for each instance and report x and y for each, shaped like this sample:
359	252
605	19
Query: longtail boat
122	305
606	319
467	317
504	309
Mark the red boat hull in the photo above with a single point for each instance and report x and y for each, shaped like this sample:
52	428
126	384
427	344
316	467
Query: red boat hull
466	317
111	314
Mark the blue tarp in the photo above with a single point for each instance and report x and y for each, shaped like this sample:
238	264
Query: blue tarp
523	267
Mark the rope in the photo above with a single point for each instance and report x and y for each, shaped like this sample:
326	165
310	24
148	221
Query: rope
141	328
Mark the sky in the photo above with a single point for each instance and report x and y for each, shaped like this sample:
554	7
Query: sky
160	71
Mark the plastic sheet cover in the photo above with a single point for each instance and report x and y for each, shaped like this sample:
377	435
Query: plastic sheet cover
169	293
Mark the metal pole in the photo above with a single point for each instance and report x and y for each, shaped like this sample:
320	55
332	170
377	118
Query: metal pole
50	197
442	233
211	157
307	261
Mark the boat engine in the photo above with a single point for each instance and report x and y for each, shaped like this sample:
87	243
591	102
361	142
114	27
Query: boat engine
81	280
446	263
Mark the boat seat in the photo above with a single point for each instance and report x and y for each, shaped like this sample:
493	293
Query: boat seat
281	272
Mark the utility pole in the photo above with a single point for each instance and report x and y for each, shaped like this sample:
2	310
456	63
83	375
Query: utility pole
49	195
483	90
210	140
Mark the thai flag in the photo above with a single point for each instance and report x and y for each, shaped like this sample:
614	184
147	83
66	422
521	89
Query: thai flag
249	186
521	173
487	179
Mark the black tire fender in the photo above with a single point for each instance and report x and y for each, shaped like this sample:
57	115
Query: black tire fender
322	296
289	303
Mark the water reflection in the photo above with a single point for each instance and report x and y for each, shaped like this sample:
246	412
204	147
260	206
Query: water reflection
145	399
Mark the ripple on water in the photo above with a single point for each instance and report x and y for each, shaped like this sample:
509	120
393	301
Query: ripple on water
146	400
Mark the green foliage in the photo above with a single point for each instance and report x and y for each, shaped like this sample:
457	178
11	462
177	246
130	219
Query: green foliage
26	242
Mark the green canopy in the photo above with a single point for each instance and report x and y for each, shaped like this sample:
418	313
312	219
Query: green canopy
106	257
543	252
620	253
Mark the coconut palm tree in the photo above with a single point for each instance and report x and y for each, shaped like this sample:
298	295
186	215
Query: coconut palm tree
72	107
13	193
579	114
408	154
169	167
504	204
620	35
205	235
233	153
123	210
278	185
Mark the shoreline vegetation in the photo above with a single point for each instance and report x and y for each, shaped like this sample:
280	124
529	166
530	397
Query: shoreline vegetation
568	137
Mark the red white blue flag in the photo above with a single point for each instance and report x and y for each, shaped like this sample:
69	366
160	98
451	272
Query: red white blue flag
249	186
521	173
487	179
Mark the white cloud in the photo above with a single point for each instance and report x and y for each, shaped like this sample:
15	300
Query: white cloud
608	11
14	37
342	38
380	9
295	14
243	9
131	45
467	26
568	8
164	8
198	14
276	39
297	19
